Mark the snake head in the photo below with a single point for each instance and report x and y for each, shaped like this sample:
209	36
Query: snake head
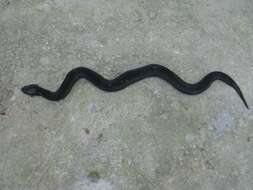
31	90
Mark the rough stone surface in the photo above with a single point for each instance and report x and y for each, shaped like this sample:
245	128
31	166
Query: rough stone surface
146	137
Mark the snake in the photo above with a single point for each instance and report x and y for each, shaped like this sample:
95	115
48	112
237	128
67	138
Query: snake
130	77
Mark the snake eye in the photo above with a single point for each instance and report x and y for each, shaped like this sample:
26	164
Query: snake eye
31	90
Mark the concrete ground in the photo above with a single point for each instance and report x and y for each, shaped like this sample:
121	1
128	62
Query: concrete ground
146	137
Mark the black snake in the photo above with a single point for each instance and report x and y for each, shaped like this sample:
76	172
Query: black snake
130	77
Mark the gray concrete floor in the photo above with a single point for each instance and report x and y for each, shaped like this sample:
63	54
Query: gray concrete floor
146	137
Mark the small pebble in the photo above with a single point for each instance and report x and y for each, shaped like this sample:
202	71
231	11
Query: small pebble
92	108
87	131
94	176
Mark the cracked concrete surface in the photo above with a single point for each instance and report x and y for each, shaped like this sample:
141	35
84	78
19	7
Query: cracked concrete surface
146	137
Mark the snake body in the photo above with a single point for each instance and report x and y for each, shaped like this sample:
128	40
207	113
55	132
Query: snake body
129	77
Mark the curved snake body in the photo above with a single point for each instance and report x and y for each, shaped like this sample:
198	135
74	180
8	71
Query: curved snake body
130	77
